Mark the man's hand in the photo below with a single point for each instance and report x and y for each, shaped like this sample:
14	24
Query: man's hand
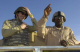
24	26
29	13
47	10
64	43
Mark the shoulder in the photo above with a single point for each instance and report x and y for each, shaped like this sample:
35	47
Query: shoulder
67	28
11	20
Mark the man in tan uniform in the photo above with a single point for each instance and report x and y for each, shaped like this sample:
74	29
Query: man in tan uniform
56	35
16	32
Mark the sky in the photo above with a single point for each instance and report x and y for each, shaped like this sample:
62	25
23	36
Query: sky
70	7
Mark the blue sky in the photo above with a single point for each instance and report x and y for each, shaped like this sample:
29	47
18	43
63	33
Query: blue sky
70	7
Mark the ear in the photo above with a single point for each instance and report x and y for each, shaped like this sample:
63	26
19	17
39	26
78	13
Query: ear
16	15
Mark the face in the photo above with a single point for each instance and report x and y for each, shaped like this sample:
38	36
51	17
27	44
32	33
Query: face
21	16
59	20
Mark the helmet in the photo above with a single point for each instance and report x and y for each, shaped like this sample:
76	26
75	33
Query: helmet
59	13
21	9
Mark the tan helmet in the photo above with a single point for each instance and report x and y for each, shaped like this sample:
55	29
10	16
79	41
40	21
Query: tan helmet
59	13
21	9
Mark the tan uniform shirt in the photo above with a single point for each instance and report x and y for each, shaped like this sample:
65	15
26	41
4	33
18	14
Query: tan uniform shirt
54	35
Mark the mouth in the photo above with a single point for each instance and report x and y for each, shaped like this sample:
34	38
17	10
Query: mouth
58	20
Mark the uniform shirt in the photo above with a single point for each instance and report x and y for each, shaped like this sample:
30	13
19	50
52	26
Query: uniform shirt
14	35
53	35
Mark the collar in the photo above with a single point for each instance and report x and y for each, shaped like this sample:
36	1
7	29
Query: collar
58	28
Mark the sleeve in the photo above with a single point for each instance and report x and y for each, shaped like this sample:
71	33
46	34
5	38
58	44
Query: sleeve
34	27
72	38
42	27
9	30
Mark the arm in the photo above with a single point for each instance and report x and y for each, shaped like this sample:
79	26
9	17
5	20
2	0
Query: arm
42	26
72	39
34	27
42	23
9	30
34	21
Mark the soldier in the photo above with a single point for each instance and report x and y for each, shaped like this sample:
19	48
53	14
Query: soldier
56	35
15	32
